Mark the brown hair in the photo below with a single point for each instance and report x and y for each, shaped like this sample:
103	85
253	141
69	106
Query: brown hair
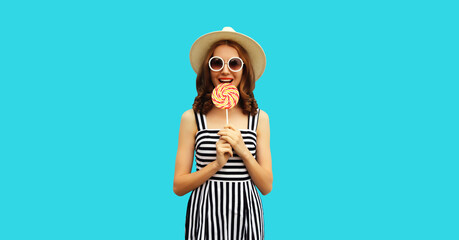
203	102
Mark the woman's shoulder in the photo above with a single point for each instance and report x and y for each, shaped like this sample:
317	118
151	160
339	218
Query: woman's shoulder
263	116
263	122
188	114
188	120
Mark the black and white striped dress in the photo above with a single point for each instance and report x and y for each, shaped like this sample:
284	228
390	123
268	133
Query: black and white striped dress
227	206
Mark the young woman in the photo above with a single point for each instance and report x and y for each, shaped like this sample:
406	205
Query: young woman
231	159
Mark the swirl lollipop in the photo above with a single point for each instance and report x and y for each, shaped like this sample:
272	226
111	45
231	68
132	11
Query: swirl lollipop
225	96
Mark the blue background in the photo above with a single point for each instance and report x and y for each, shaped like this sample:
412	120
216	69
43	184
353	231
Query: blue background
362	98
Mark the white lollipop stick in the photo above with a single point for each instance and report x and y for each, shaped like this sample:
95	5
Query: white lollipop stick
226	116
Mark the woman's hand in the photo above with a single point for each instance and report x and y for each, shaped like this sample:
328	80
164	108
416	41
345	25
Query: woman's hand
224	151
233	136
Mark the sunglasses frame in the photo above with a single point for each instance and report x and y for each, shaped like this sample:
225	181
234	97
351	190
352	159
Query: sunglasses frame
242	65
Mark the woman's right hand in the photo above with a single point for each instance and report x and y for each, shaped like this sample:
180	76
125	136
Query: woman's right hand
224	152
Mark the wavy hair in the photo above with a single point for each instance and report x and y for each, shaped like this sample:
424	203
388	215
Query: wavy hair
203	102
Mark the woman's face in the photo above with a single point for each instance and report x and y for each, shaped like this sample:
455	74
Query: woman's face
225	75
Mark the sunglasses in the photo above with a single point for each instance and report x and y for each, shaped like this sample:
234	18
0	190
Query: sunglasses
217	63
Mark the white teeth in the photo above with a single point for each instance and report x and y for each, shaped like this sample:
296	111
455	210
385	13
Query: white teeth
221	80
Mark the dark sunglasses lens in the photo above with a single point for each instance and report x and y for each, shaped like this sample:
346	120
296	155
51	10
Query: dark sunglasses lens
216	63
235	64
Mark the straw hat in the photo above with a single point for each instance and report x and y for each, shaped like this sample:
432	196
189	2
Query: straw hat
201	46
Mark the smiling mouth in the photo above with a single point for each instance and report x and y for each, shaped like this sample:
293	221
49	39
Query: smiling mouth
225	80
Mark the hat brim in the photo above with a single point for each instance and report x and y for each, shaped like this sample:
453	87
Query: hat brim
202	45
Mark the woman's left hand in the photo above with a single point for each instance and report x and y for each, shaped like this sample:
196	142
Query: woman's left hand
234	138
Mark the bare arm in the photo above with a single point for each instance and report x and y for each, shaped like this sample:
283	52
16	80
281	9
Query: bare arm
184	180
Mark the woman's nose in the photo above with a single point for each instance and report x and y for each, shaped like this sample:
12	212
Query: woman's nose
225	69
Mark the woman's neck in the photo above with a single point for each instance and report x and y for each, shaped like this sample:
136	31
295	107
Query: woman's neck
219	111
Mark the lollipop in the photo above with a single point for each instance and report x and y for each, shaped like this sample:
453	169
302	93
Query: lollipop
225	96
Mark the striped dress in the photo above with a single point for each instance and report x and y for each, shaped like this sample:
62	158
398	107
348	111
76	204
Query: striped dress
227	206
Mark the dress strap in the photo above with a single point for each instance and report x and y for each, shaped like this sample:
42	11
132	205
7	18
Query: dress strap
253	121
200	121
